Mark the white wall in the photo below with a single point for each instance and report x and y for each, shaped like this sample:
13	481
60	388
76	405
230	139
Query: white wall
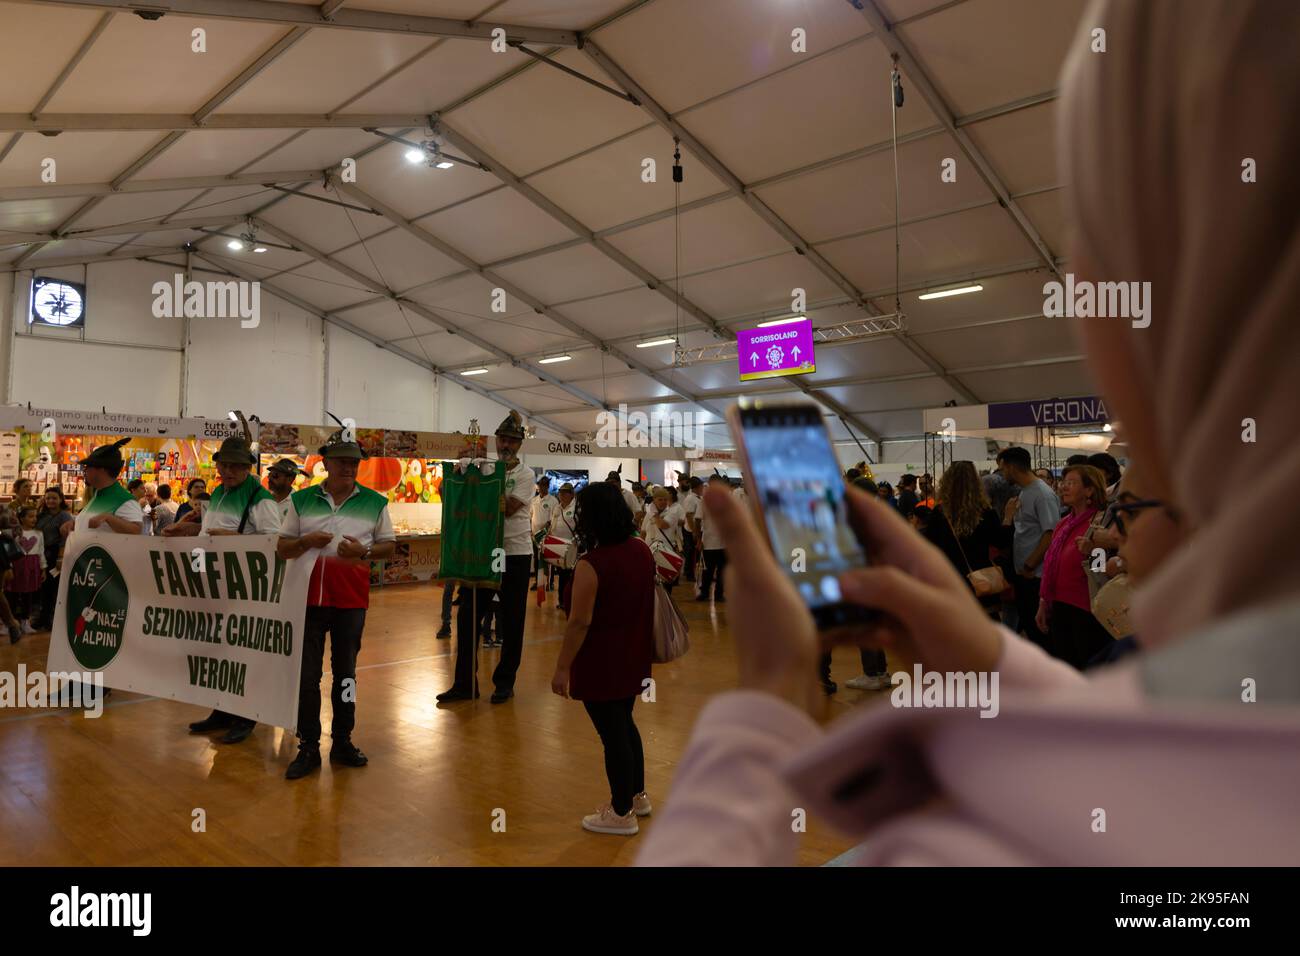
130	361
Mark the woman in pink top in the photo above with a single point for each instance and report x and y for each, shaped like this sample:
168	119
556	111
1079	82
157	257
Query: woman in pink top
1064	604
1184	754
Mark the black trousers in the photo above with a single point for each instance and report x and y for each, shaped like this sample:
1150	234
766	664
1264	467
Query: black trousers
624	758
688	554
511	609
48	596
1027	608
715	563
344	626
1075	635
448	592
566	576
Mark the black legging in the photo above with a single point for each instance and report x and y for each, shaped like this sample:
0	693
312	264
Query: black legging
47	596
624	759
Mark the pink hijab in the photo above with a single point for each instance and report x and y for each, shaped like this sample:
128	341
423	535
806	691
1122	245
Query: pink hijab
1154	135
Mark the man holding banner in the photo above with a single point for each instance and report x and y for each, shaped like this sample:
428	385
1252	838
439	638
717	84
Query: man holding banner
349	524
110	505
240	505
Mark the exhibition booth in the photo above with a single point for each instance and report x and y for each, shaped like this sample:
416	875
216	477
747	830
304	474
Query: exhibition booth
47	446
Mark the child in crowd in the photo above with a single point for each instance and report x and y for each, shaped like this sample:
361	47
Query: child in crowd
28	568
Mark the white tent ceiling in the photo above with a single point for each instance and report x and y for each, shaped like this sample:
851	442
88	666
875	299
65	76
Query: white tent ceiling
789	181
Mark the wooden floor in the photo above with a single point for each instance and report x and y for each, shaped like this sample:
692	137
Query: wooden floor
122	789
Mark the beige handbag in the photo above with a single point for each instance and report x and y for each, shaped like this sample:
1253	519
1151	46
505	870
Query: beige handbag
986	582
1110	606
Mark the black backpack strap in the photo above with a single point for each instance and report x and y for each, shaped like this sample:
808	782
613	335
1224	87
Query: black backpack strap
243	518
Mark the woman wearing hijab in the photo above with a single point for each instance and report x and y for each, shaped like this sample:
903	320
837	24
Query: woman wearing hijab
1163	740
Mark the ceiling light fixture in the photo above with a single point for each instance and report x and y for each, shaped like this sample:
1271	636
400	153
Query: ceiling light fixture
653	342
786	321
553	359
235	245
259	248
415	156
474	371
962	290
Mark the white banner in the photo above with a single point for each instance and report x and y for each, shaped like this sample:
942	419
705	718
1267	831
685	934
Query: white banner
214	620
71	422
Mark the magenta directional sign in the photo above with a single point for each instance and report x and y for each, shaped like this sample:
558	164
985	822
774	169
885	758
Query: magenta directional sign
785	349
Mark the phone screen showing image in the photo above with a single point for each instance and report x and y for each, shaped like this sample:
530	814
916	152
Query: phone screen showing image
801	492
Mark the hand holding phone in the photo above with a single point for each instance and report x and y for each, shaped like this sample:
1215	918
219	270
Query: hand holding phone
800	495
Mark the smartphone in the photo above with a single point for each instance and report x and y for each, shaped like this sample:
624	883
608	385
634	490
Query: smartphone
798	490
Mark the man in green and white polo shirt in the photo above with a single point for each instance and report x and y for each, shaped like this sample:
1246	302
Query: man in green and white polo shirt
112	507
348	526
279	482
240	505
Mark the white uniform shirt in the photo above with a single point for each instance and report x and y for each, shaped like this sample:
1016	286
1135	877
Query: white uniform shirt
517	536
633	505
564	524
127	511
710	537
673	515
690	505
223	512
542	509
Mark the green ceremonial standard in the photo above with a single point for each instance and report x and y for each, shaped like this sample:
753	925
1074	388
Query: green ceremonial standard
473	520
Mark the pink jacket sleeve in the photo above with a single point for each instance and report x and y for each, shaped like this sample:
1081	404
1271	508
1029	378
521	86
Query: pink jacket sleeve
730	804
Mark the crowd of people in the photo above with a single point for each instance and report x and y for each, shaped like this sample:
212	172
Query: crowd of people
1201	720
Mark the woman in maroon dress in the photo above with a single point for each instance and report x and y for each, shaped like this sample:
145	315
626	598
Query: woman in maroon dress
608	642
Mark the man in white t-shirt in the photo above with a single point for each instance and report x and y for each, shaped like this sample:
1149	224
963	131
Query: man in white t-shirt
239	505
564	524
540	512
689	499
279	482
111	507
715	557
517	542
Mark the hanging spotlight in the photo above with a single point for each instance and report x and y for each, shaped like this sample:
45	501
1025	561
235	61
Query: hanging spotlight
677	162
259	248
235	245
414	156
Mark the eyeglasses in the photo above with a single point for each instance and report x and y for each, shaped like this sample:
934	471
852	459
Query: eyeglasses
1129	507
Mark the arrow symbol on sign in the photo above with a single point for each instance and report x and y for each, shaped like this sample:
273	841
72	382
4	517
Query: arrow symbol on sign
753	357
795	353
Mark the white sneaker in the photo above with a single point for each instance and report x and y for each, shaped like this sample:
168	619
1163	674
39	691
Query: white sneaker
871	682
641	804
27	628
605	820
